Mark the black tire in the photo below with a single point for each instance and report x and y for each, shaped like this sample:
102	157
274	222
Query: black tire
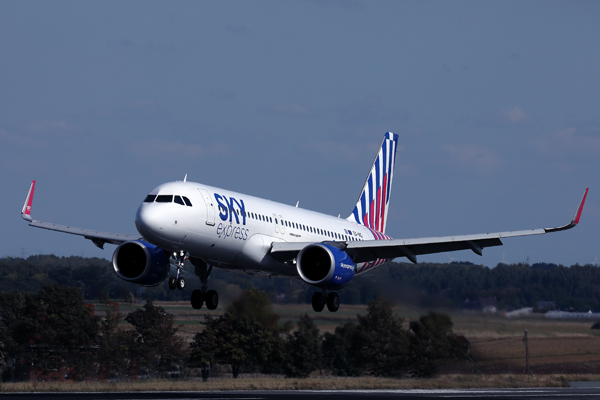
317	302
172	283
197	299
333	302
180	283
212	299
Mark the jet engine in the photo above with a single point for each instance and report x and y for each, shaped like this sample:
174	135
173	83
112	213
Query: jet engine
325	266
140	262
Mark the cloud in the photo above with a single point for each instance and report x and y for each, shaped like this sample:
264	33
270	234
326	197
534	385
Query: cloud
50	127
515	115
8	139
160	148
350	4
511	117
567	143
478	158
293	110
138	110
148	47
238	30
220	93
37	134
515	57
371	109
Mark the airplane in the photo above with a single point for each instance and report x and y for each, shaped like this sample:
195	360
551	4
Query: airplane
214	227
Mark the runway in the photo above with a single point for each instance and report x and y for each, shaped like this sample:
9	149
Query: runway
542	393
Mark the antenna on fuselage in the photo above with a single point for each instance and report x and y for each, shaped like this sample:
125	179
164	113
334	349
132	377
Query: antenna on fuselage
185	178
297	203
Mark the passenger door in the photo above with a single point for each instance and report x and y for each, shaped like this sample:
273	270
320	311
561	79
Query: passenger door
210	207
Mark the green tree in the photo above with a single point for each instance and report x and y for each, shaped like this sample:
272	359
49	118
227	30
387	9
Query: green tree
55	329
238	342
383	342
303	349
155	342
432	343
254	304
114	343
340	351
11	307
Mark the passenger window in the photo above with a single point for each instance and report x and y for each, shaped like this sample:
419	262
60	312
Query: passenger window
164	198
178	200
187	201
150	198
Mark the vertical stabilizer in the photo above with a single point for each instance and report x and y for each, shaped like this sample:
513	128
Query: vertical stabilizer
372	206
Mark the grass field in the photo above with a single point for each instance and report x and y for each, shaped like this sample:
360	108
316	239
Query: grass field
311	383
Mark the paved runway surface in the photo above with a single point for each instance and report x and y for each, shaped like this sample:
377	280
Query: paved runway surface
555	394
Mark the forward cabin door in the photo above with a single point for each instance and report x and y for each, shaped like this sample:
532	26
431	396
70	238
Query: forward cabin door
210	207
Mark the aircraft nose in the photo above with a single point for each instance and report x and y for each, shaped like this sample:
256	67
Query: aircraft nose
148	220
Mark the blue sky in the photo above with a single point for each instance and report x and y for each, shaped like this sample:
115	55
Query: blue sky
496	103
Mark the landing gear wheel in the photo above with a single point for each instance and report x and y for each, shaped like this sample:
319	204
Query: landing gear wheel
197	299
212	299
317	302
172	283
333	302
180	283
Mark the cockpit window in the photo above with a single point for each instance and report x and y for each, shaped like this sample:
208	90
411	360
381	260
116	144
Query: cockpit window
178	200
187	201
164	198
150	198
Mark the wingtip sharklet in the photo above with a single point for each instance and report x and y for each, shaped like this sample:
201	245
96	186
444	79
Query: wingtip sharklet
580	208
575	220
26	211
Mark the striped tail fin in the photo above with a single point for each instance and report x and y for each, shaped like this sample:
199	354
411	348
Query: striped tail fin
372	206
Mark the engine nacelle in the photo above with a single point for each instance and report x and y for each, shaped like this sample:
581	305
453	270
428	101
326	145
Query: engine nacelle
140	262
325	266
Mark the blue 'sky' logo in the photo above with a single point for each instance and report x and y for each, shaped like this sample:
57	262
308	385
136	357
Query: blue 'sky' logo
228	212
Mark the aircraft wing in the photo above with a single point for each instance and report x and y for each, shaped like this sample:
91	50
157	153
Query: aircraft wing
99	238
370	250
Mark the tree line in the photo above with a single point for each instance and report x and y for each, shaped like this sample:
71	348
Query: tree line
427	284
53	330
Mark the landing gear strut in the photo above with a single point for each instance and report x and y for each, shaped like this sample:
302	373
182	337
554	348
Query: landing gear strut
319	300
210	297
178	281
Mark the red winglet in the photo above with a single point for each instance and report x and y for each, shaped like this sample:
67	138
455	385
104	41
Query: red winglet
578	215
26	212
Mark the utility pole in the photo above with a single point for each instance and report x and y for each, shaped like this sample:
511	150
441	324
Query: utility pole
527	370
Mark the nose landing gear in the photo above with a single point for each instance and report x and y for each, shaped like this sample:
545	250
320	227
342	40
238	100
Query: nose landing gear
319	300
178	281
199	297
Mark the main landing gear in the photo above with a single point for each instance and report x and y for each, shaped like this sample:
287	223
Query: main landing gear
210	297
319	300
178	281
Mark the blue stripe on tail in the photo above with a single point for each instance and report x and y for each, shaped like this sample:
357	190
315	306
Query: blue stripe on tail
381	171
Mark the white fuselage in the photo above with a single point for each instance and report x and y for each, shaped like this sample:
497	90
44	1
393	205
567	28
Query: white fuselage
235	231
